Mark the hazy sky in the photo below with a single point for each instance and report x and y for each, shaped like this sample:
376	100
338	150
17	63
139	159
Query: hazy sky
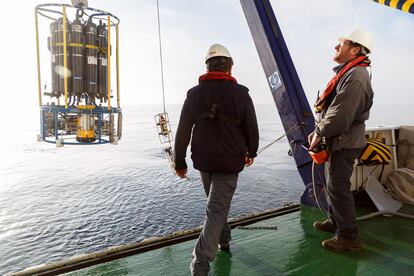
189	27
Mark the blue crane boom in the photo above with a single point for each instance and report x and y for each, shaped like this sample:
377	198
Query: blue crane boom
285	86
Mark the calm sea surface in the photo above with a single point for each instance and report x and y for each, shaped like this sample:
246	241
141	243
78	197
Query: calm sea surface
57	203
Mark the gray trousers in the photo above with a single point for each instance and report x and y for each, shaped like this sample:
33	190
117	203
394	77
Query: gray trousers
340	199
219	188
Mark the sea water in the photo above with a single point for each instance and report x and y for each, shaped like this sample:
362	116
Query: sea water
59	202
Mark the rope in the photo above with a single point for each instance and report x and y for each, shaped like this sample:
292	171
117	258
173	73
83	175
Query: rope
385	213
316	191
283	135
162	67
258	227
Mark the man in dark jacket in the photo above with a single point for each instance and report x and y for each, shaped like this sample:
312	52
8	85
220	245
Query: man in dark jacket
219	117
343	108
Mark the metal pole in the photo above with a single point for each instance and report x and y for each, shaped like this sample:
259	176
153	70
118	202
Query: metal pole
117	67
55	117
100	115
38	59
65	59
42	125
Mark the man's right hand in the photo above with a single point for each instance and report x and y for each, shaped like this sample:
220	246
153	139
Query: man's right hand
248	161
181	173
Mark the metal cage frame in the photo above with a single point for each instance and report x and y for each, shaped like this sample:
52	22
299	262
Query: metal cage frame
47	11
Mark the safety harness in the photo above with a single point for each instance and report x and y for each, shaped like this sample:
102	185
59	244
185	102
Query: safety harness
322	103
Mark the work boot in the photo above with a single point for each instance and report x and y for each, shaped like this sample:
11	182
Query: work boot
340	244
325	226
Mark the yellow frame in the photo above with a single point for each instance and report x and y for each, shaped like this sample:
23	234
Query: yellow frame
118	93
108	55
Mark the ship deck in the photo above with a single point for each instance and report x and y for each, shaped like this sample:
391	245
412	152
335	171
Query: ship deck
293	249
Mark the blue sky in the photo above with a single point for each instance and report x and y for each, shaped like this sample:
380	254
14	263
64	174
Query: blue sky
310	28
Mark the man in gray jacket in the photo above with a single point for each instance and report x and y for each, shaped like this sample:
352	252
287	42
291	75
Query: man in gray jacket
343	109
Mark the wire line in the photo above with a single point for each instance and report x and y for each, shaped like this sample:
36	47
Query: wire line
283	135
162	67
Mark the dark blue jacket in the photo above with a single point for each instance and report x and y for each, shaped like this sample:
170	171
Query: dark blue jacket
218	145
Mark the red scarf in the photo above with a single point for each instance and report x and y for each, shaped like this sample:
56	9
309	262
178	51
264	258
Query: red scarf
321	103
216	75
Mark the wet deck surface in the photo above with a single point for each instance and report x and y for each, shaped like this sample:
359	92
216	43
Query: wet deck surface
293	249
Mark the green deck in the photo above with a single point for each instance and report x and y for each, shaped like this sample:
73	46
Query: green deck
293	249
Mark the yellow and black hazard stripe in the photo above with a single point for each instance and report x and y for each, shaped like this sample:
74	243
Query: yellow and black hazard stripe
376	151
404	5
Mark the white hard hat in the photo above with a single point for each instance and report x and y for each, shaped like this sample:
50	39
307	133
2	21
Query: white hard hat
217	50
361	37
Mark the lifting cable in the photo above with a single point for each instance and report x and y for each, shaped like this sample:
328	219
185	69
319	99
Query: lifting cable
292	129
161	63
161	120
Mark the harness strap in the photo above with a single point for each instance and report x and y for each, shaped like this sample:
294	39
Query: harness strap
213	113
220	116
321	104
